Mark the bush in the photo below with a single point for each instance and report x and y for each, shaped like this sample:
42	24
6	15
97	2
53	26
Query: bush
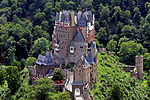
57	75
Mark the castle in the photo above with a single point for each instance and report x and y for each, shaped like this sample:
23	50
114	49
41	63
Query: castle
75	53
73	44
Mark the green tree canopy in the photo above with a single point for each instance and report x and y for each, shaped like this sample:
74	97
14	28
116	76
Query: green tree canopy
111	45
29	61
63	96
2	76
41	44
57	75
128	51
17	64
116	92
43	90
13	78
146	60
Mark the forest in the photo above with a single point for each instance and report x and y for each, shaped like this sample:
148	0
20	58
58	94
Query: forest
122	27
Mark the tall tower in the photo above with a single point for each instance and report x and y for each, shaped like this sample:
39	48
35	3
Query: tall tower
64	32
85	24
139	66
73	36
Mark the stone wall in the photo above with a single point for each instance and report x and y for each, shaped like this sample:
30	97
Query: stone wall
139	66
137	70
78	52
82	74
88	37
128	68
65	35
42	70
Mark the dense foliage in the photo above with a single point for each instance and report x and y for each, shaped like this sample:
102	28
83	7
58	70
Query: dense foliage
26	26
57	75
115	84
17	87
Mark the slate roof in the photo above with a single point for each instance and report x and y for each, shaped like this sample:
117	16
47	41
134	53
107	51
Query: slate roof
85	64
45	60
93	46
57	17
67	15
78	40
79	15
80	20
49	72
77	83
90	58
88	16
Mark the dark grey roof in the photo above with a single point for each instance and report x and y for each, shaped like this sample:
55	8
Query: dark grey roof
79	15
90	58
40	59
77	83
80	20
88	16
67	15
78	40
57	17
49	72
85	64
92	46
45	60
79	37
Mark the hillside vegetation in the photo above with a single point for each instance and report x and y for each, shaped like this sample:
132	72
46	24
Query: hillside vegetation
113	83
121	26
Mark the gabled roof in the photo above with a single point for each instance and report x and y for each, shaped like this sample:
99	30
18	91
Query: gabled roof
79	37
78	40
45	60
40	59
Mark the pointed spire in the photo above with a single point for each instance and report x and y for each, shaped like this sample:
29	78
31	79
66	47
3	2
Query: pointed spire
92	46
90	58
83	62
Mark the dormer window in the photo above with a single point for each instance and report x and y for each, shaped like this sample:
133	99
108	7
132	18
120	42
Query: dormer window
71	50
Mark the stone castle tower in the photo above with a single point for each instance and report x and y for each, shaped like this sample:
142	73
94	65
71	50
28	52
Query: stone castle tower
74	43
73	36
139	66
